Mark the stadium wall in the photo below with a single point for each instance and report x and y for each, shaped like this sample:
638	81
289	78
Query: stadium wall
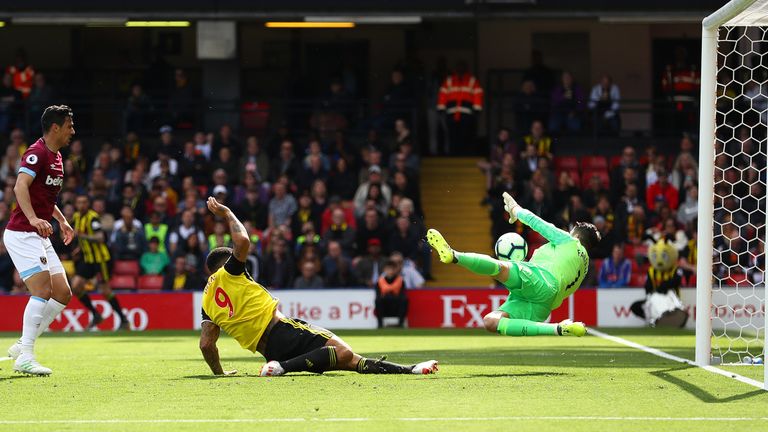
353	309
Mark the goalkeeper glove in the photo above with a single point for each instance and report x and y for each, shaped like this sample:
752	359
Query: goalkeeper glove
510	206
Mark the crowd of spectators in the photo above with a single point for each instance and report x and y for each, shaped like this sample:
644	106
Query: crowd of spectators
632	199
316	217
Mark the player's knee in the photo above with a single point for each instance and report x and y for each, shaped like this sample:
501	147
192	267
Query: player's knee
491	323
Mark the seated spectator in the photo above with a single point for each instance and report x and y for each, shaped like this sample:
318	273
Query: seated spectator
374	178
164	160
342	182
619	180
371	157
607	238
192	163
527	164
593	192
685	172
282	206
604	103
411	276
308	278
402	134
154	261
341	232
226	139
314	149
662	189
539	204
168	145
157	229
307	236
567	104
319	195
689	210
615	270
226	161
529	106
312	172
255	160
368	267
407	187
404	238
128	241
278	266
540	140
184	275
371	226
391	298
203	145
253	209
139	111
40	98
220	236
286	162
337	268
10	101
181	101
182	232
412	161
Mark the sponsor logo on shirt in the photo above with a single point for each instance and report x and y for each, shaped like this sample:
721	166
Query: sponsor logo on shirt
50	181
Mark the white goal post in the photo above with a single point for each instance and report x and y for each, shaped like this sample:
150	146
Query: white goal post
738	30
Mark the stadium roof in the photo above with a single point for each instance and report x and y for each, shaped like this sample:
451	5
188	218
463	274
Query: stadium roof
629	10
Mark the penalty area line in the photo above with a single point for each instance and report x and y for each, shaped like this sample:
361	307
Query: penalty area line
402	419
674	358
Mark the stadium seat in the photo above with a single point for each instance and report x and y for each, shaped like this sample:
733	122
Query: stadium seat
150	282
593	163
123	282
602	173
566	163
126	267
637	280
597	263
615	161
254	116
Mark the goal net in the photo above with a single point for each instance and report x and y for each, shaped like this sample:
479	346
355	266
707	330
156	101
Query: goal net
731	321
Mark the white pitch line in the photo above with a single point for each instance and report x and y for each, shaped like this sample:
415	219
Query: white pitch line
402	419
668	356
2	359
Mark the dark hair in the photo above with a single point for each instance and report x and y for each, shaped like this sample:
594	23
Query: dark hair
55	114
587	234
217	258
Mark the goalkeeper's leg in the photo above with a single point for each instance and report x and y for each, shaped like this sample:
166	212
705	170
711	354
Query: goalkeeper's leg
476	263
500	322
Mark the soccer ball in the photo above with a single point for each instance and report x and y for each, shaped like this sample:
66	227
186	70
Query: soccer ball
511	247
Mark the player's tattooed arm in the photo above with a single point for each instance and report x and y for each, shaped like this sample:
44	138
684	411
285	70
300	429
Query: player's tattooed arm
208	337
240	238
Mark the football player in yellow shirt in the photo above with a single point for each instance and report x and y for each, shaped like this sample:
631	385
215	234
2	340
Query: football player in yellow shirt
245	310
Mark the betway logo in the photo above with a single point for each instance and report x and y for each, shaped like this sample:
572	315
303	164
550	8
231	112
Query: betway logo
456	309
77	320
51	181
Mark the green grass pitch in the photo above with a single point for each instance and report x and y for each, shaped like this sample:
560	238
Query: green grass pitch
157	381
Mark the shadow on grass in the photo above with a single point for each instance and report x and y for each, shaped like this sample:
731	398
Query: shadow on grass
698	392
587	357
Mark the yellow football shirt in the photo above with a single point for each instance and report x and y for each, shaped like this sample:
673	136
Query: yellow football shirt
237	304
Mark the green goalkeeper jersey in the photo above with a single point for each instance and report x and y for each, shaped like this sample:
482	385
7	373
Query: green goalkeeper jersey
564	256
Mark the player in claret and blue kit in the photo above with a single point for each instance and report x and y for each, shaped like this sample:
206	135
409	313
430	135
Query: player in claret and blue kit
39	181
554	272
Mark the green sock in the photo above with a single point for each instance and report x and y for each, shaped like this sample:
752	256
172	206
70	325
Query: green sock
521	327
478	263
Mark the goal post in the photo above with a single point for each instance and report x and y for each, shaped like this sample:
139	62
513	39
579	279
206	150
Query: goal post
738	31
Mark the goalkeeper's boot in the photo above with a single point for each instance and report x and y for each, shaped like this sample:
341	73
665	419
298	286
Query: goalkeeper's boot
15	350
26	364
425	368
272	368
570	328
438	243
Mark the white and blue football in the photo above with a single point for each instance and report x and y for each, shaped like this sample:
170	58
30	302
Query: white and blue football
511	247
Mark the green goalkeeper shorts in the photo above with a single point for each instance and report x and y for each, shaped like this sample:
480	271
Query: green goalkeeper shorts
532	290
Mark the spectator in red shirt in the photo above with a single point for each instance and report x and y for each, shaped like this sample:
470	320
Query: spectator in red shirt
662	188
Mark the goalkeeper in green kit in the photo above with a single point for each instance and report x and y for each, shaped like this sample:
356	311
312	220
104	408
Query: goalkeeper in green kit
536	287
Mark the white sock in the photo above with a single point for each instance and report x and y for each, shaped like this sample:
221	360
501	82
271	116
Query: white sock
33	315
52	309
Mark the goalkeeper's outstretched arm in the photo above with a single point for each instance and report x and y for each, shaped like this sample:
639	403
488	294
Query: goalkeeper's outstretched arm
550	232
